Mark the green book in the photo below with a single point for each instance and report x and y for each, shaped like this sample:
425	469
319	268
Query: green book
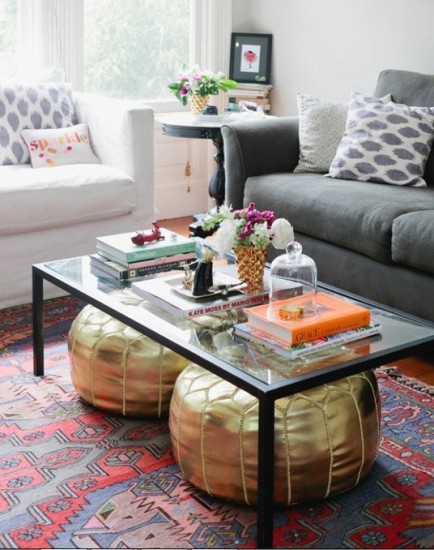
121	248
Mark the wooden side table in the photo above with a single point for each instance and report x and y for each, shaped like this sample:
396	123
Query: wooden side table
186	125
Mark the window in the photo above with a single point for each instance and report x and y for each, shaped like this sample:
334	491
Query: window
133	47
8	35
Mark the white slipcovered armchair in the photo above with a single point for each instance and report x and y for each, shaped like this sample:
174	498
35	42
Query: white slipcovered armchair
57	212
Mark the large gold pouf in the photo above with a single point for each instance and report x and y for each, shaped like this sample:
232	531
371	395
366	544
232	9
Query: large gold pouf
325	438
119	370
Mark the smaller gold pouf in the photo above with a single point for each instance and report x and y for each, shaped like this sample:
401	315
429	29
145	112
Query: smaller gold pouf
325	438
119	370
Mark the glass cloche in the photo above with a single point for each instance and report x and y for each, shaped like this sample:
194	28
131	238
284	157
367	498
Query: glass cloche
293	280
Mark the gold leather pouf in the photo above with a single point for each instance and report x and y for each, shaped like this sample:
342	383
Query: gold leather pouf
119	370
325	438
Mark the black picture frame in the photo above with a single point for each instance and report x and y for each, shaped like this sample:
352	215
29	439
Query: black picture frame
250	60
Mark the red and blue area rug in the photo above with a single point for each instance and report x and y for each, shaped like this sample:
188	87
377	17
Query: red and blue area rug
75	477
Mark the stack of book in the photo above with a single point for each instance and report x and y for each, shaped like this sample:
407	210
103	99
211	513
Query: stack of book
337	322
117	257
255	93
170	294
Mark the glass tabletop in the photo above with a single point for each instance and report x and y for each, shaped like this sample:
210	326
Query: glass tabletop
214	333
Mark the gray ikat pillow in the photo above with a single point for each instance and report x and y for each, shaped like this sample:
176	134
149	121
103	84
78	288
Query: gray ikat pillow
384	143
35	106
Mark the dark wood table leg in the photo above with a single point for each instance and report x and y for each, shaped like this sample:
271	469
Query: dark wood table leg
38	323
217	184
265	508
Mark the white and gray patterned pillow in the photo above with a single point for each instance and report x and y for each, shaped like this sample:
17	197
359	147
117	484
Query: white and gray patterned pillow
384	143
321	127
37	106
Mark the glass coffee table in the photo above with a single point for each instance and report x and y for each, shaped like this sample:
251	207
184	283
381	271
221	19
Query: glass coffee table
268	377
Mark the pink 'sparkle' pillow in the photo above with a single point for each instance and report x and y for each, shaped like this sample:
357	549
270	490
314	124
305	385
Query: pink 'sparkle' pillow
58	146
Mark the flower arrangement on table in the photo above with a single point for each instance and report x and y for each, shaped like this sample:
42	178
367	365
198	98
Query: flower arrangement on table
194	83
248	232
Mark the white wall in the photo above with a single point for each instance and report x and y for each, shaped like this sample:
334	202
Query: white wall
331	47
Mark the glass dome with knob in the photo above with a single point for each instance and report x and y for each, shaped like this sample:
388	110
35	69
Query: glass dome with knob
293	282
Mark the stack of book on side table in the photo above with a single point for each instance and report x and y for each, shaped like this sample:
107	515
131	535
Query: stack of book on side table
337	322
118	257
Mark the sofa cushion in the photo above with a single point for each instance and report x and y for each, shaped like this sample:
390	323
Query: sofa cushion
347	213
410	88
321	127
384	143
57	146
31	106
413	240
33	200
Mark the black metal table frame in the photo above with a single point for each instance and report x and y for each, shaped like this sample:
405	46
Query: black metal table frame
265	394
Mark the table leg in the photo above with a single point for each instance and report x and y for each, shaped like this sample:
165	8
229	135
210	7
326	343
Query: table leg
217	183
265	508
38	323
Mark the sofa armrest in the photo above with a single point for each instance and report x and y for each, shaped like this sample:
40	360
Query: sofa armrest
122	135
257	147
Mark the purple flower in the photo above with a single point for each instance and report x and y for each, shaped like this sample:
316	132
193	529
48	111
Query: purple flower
246	231
183	90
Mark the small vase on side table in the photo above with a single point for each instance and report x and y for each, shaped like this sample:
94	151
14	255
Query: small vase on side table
198	103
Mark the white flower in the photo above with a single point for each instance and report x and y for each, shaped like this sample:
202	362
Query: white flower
282	232
260	238
225	236
247	227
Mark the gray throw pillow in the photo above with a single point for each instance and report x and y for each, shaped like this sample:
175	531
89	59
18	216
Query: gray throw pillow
321	127
384	143
37	106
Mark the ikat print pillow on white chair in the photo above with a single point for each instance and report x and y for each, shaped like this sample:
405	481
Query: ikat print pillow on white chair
42	105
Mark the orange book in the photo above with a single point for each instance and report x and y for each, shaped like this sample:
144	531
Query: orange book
334	315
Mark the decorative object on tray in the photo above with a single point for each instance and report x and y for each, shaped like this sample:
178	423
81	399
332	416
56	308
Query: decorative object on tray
284	271
334	315
194	86
203	276
248	232
227	292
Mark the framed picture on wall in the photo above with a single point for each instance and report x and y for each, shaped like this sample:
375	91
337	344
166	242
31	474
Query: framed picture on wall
250	57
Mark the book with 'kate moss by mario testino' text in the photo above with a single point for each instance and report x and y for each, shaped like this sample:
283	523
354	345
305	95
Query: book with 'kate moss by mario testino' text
103	267
120	248
169	294
334	315
243	330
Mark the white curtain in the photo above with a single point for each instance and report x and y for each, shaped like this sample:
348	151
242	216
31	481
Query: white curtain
50	34
210	35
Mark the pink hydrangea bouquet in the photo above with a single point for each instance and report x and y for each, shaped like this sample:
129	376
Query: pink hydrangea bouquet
248	227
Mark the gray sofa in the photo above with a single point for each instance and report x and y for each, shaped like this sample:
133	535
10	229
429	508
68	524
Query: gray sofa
373	239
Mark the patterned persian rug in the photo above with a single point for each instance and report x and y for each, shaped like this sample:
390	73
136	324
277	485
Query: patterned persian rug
74	477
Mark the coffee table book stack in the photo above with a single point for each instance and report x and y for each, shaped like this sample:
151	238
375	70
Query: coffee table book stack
119	258
338	322
170	294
